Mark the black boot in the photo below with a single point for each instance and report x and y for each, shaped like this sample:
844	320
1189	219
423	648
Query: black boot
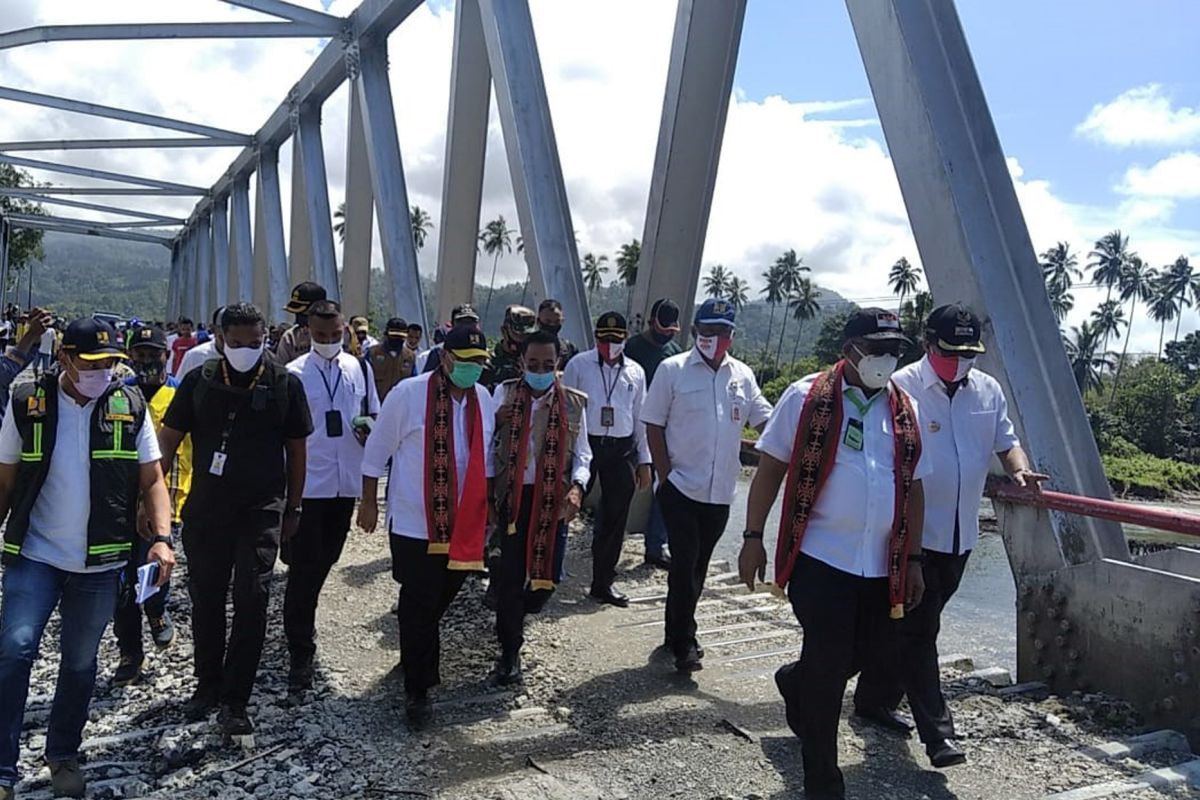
508	668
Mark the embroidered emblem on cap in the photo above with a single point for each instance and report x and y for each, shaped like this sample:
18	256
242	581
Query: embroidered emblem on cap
720	307
102	337
887	319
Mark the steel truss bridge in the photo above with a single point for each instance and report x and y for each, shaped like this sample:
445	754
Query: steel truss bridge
1089	617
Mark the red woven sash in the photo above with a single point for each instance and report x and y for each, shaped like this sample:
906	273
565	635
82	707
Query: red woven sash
456	525
813	453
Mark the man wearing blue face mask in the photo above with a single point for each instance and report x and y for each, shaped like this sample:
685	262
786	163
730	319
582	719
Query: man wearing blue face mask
249	421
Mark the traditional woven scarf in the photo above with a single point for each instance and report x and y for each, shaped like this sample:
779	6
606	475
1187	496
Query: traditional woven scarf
547	487
456	526
813	454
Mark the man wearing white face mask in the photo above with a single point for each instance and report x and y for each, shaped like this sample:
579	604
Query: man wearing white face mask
964	419
249	420
695	411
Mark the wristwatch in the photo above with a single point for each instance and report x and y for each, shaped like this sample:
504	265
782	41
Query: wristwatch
749	534
160	539
293	509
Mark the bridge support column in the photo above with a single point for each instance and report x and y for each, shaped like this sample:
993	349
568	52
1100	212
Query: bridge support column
270	236
356	247
184	301
299	252
220	245
699	83
204	269
193	295
171	311
242	260
387	179
541	196
5	238
316	191
466	151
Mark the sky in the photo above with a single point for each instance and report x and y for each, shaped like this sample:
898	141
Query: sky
1096	102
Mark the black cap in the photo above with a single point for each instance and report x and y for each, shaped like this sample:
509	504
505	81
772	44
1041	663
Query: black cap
148	336
611	327
665	313
520	320
466	341
463	312
91	340
955	329
396	328
303	296
875	324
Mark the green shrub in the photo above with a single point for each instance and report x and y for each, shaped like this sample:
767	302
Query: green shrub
1150	477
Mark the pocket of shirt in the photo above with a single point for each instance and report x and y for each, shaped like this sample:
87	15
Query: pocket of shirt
983	429
695	401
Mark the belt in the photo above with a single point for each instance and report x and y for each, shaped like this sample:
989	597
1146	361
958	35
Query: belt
610	441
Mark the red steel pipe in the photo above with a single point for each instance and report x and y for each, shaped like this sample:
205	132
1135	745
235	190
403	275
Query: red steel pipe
1157	518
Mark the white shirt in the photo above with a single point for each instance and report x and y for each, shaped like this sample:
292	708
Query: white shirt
422	357
399	435
47	342
621	386
704	412
334	466
958	438
59	520
581	468
851	522
196	357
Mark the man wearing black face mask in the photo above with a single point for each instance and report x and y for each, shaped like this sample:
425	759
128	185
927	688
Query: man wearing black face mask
550	319
148	357
249	421
391	360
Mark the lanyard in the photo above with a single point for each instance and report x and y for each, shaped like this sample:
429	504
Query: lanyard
337	383
862	407
227	431
608	390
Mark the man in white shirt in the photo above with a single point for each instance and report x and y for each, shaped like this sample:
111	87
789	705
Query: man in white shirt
616	388
540	465
342	400
964	419
695	412
436	429
205	351
849	442
77	451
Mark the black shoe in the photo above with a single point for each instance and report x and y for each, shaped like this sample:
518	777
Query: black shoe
300	675
128	671
508	669
203	701
661	560
234	720
791	710
610	596
690	661
671	649
162	630
892	721
66	779
944	754
418	710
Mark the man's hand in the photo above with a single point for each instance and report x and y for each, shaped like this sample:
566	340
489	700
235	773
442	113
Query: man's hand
368	514
572	503
39	321
752	562
642	478
165	557
914	589
1028	479
291	524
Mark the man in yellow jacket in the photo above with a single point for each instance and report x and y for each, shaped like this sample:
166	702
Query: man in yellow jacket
149	356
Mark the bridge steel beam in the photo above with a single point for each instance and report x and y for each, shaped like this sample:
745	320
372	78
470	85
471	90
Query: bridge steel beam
220	245
5	236
316	200
33	197
290	11
466	151
538	187
241	271
300	252
183	301
699	84
98	191
388	184
359	220
88	223
87	172
270	236
118	144
204	268
163	30
172	311
85	229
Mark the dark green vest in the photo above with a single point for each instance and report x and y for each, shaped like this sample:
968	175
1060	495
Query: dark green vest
117	419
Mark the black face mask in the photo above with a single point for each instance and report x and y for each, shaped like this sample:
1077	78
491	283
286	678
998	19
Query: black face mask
302	320
661	338
149	373
393	345
550	328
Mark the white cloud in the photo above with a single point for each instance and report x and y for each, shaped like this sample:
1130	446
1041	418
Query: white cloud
1174	177
1141	116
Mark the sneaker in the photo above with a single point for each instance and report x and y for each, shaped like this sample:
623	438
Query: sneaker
128	671
203	700
508	669
300	675
66	778
162	630
234	720
419	710
689	661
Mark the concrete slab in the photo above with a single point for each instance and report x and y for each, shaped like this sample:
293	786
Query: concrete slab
1186	774
1180	560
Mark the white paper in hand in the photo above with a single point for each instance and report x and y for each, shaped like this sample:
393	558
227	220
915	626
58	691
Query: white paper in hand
147	575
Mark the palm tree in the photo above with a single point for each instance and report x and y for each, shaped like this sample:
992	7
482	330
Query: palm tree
1137	283
738	292
774	297
1060	266
496	238
904	279
1086	363
1164	307
339	227
593	272
627	269
716	282
914	313
791	270
1108	320
804	302
1061	301
1184	285
1109	258
422	224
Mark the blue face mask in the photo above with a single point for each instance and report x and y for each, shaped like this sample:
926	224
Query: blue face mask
539	381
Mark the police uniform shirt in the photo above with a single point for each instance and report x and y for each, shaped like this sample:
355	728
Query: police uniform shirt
58	522
620	387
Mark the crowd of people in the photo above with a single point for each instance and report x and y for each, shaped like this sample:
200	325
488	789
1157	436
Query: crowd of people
245	444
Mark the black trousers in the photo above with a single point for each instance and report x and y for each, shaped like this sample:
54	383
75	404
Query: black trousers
310	555
915	672
127	620
513	599
427	587
245	545
846	629
693	530
613	463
